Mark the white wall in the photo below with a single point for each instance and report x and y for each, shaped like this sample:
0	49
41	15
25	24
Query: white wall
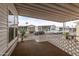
5	46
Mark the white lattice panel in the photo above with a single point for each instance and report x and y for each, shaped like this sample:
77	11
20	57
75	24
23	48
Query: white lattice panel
69	46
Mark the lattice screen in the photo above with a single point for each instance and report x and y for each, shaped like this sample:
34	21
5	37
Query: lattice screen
69	46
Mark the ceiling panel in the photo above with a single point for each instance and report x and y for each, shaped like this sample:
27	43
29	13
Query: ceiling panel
60	12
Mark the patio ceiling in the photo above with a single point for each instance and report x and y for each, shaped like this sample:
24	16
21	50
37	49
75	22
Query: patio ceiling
60	12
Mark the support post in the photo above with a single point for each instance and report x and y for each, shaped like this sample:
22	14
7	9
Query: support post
64	27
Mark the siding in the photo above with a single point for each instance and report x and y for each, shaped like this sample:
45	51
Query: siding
4	45
3	28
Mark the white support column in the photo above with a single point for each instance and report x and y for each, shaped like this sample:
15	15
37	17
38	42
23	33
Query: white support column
77	31
41	28
36	28
64	27
17	27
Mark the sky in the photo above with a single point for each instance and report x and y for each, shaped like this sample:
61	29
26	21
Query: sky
24	21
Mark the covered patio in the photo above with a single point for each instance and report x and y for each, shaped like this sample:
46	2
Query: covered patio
53	12
38	45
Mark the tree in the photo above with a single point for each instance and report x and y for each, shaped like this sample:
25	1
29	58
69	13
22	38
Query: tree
22	31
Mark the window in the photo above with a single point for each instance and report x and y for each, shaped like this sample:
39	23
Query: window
11	26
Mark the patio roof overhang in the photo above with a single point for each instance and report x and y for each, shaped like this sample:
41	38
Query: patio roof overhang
60	12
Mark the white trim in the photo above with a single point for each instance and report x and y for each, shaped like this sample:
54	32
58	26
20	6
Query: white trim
12	48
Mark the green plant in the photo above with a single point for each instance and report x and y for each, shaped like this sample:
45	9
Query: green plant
22	31
66	34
